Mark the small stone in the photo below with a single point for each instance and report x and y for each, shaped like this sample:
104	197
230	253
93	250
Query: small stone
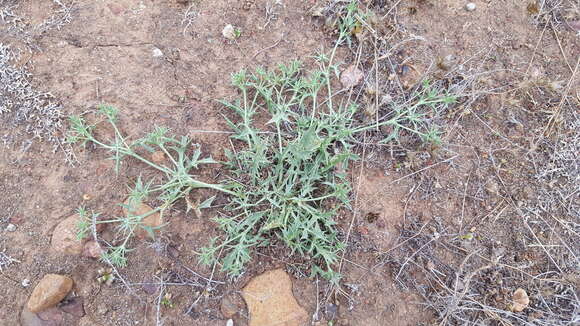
331	311
470	6
11	228
157	53
25	283
271	302
520	300
230	322
92	249
64	237
229	32
409	76
153	220
51	289
150	287
228	307
447	62
351	76
158	157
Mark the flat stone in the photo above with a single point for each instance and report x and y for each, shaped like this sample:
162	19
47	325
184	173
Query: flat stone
154	220
74	306
51	289
51	316
271	302
64	237
351	77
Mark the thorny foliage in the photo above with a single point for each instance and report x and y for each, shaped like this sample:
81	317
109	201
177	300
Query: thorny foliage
176	184
290	181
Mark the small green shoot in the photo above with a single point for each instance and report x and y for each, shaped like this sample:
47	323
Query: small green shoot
237	33
105	276
166	301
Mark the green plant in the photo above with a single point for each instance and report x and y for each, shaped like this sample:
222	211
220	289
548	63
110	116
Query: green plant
105	276
176	184
287	181
166	301
290	180
349	21
237	33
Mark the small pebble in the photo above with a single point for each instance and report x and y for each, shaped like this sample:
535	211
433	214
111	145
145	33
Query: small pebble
11	228
470	6
157	53
25	283
230	322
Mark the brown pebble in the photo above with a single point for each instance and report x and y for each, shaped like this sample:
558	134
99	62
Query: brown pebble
51	289
158	157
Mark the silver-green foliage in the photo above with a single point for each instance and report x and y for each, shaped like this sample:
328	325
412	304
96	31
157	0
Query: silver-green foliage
289	182
176	184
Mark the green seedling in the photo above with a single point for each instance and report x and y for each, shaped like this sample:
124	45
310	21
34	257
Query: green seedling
166	301
105	276
237	33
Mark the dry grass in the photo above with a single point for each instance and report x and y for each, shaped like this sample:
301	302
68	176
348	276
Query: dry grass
37	113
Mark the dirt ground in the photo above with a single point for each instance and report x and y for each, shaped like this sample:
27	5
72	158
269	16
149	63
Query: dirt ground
428	221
